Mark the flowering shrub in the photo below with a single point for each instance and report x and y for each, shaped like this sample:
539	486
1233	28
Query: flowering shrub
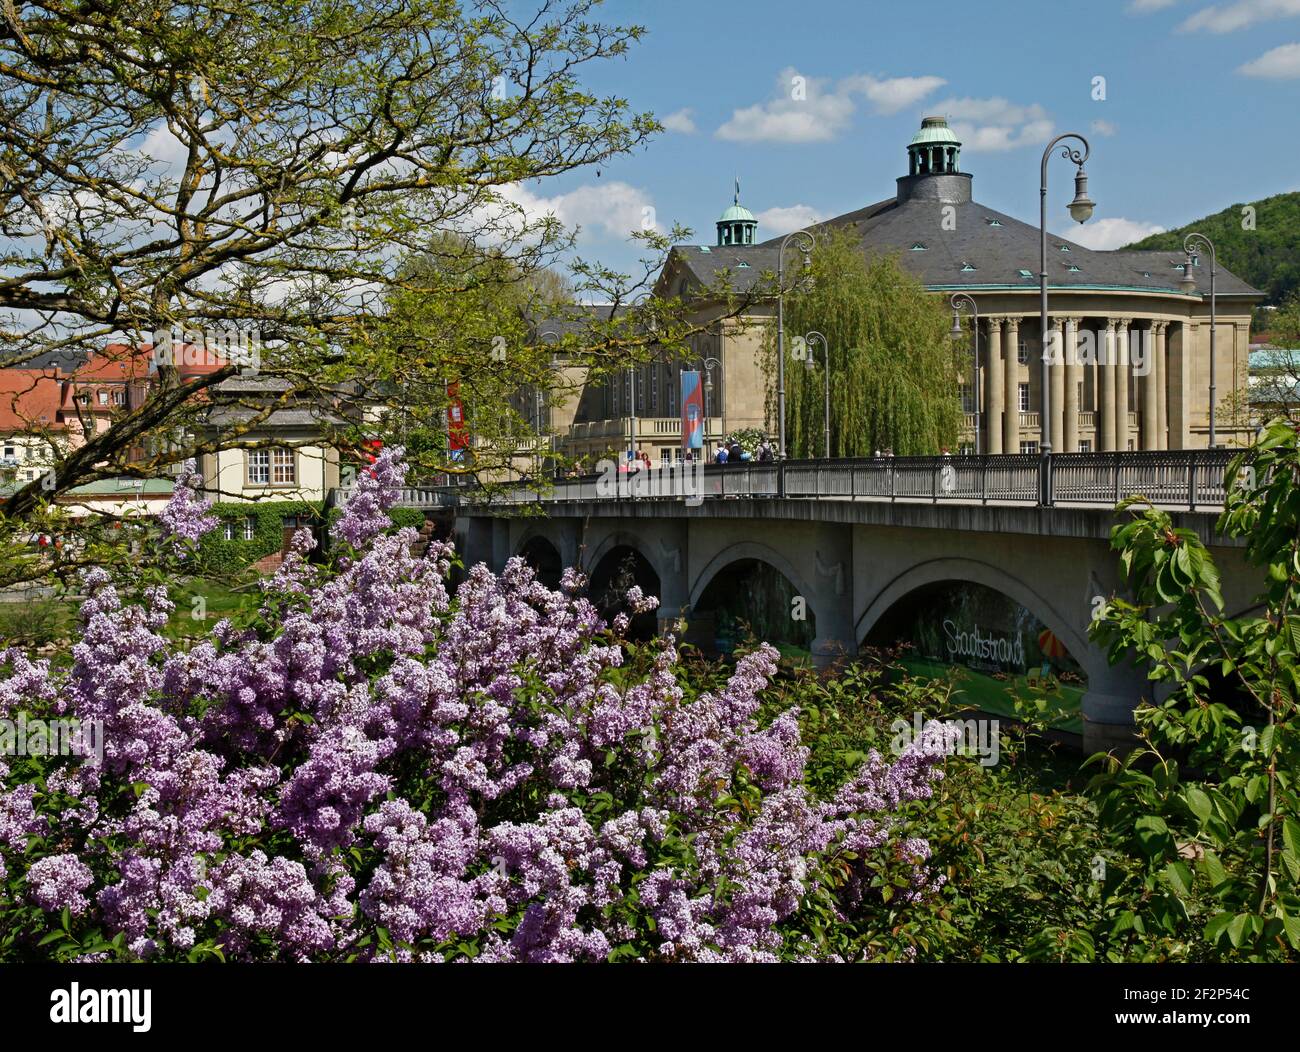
373	769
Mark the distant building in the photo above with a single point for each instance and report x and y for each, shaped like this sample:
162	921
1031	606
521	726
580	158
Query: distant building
951	243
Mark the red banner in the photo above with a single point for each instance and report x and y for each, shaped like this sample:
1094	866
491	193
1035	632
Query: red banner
457	432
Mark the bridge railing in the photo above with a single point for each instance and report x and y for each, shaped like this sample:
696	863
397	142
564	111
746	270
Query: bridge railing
1189	479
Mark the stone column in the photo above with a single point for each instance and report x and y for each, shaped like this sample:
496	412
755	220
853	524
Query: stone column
1056	375
1181	396
1073	374
1108	431
1123	372
995	391
1161	375
1011	417
1150	400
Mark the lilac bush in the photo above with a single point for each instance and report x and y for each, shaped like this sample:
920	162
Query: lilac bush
373	769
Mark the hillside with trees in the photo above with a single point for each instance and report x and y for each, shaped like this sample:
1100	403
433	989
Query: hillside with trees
1267	255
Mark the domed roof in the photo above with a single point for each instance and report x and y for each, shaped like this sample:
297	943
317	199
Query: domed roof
934	130
736	213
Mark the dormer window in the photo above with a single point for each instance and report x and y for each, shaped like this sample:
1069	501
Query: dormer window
993	222
1064	248
918	247
1025	273
966	268
1074	269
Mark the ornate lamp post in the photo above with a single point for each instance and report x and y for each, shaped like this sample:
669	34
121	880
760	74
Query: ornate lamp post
806	242
708	364
958	301
1080	210
826	408
1189	285
631	372
541	398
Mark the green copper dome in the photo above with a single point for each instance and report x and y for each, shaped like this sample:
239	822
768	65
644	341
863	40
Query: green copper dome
934	150
736	226
737	213
935	130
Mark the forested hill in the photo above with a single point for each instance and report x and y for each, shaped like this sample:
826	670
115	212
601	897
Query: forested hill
1268	257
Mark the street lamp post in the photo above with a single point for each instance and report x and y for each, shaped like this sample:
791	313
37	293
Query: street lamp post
826	408
1080	210
631	372
541	398
958	301
1189	285
711	363
806	242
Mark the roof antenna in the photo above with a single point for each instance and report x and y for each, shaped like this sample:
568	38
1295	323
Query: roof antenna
736	200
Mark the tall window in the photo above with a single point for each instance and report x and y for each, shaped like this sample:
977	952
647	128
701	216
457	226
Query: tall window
1024	398
228	530
283	469
250	527
1085	445
1029	447
967	399
1022	353
259	467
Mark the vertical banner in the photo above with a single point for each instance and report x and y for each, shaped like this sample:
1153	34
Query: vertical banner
692	412
457	432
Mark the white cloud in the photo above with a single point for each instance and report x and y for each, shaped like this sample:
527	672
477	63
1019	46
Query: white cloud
811	109
1240	15
988	125
1145	7
777	221
616	208
1282	63
682	121
1102	127
1104	234
803	111
890	95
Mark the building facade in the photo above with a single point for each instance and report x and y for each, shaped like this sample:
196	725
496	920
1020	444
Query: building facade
1133	327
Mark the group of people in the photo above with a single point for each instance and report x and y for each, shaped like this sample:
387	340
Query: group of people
734	453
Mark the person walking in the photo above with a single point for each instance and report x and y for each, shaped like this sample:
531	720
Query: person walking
720	454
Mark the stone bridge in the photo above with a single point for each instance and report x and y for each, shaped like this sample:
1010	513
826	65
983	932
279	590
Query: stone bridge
853	553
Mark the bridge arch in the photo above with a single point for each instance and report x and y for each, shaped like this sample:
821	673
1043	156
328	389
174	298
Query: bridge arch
937	571
625	539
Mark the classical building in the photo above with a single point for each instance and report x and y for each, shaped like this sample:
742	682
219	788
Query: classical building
1135	326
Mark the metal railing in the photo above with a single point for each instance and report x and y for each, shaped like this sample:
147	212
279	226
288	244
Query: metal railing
1187	479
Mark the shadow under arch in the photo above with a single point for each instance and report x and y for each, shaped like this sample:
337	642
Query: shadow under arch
540	552
749	586
612	574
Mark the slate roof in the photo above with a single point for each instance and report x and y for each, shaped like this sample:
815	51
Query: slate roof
997	247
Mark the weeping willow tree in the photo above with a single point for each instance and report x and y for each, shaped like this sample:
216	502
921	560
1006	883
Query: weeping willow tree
895	371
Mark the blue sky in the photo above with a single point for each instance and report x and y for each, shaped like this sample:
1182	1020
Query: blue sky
1200	109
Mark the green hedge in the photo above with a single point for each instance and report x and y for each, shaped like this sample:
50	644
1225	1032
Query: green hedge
220	556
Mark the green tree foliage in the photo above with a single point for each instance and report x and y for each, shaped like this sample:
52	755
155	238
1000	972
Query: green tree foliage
894	368
1205	817
271	166
1267	256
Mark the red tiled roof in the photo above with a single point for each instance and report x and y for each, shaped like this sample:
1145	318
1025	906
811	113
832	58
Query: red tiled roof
29	400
